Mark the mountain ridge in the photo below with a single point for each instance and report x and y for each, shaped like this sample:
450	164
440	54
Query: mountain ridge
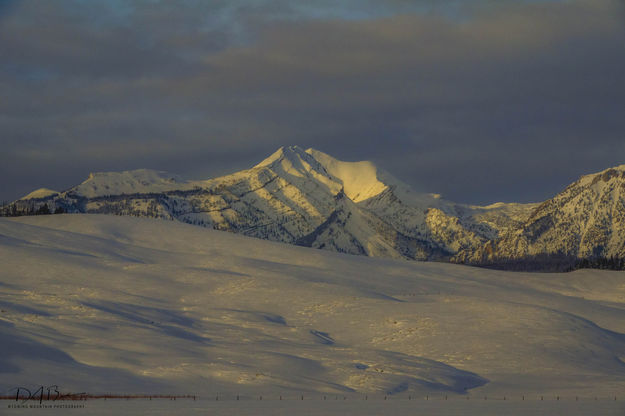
309	198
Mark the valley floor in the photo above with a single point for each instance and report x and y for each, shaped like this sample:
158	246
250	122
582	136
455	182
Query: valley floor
105	304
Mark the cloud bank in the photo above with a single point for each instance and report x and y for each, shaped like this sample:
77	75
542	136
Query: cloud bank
480	101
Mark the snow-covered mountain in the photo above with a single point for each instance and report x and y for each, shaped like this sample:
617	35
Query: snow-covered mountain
309	198
585	220
132	182
40	193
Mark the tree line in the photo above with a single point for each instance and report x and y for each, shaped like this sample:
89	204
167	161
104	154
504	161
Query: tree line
555	263
13	210
605	263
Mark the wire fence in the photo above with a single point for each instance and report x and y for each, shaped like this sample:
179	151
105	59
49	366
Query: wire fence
22	396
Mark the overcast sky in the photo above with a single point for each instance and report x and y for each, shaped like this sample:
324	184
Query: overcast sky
479	100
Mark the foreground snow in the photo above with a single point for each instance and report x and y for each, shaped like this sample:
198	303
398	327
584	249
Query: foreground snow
128	305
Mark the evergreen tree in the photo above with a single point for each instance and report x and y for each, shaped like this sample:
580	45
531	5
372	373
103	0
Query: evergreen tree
43	210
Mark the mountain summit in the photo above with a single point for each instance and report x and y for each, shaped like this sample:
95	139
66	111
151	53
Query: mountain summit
310	198
585	220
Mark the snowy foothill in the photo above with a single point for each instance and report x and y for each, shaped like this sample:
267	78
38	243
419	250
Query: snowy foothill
40	193
109	304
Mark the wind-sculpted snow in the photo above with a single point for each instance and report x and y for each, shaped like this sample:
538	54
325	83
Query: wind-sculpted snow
101	303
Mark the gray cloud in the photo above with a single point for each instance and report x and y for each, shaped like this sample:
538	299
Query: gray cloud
507	102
